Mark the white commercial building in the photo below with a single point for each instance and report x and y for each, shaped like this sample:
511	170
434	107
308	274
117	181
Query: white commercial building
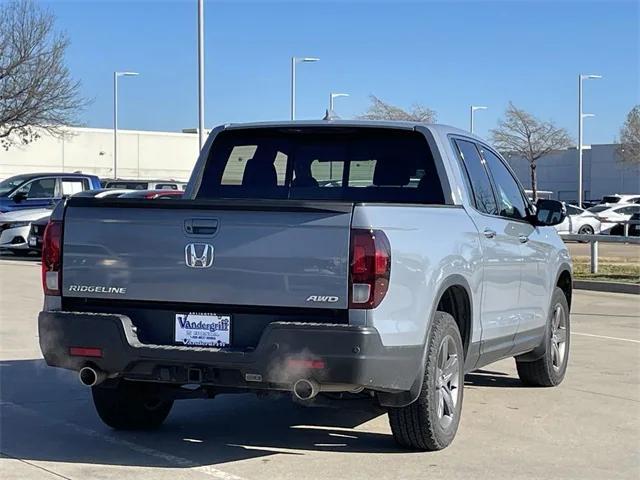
604	173
152	155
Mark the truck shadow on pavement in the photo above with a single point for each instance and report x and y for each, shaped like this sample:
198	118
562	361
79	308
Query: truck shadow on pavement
30	258
46	415
487	378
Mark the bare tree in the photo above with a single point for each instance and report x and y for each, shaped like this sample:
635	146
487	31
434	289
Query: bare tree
37	92
380	110
629	149
524	135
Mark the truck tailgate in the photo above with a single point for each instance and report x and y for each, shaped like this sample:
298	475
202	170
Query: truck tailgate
249	253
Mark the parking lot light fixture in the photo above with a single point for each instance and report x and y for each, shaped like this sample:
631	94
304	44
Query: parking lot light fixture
472	111
581	117
333	96
294	62
115	116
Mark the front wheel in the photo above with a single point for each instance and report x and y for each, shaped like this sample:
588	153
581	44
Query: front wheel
431	421
549	370
130	405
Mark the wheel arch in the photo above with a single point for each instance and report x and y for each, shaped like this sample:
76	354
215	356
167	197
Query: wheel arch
454	298
454	293
564	281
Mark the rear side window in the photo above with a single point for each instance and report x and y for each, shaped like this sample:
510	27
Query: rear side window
610	199
71	186
478	177
628	210
511	203
341	164
598	209
573	210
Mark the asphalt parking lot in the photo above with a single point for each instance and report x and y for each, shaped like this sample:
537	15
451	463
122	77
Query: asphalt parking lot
588	428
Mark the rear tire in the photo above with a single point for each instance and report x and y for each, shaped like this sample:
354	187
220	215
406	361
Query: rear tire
130	405
431	421
586	230
549	370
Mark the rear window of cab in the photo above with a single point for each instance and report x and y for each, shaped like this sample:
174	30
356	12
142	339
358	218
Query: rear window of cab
340	164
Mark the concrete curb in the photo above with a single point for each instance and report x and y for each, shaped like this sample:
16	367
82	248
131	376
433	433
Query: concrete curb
610	287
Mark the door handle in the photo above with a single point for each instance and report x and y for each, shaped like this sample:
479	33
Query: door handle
523	238
489	233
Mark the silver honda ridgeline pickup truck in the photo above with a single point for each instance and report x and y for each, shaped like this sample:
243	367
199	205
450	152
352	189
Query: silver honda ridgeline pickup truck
337	259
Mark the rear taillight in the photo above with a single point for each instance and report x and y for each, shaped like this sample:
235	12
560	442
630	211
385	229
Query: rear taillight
370	268
52	258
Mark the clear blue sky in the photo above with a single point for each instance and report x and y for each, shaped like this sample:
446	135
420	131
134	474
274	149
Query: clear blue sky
446	55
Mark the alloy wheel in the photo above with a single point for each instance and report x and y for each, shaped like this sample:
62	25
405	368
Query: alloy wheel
447	381
558	337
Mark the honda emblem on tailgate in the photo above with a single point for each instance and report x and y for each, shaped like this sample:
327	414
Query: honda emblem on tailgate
198	255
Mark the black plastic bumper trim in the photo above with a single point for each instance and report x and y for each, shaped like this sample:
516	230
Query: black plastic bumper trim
351	354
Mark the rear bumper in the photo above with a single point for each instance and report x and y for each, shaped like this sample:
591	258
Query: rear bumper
349	354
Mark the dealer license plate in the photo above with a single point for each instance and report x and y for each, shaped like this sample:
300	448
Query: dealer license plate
203	329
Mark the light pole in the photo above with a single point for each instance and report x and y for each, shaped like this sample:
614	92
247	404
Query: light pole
472	109
115	117
201	132
294	61
333	96
581	117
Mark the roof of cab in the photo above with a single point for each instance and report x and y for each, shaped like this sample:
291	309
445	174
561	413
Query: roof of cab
57	174
402	125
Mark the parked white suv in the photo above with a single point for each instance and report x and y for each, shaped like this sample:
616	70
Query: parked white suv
423	262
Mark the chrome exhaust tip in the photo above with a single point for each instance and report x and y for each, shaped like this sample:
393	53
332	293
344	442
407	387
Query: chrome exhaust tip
90	377
305	389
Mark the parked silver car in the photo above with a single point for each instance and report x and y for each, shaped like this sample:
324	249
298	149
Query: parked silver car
14	228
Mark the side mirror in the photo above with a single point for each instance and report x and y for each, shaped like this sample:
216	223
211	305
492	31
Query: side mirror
19	197
549	213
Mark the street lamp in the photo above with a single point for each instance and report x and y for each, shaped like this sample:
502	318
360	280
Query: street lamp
115	117
201	132
332	96
581	117
472	110
294	61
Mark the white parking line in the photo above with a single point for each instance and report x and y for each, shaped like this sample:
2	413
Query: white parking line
605	337
172	459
